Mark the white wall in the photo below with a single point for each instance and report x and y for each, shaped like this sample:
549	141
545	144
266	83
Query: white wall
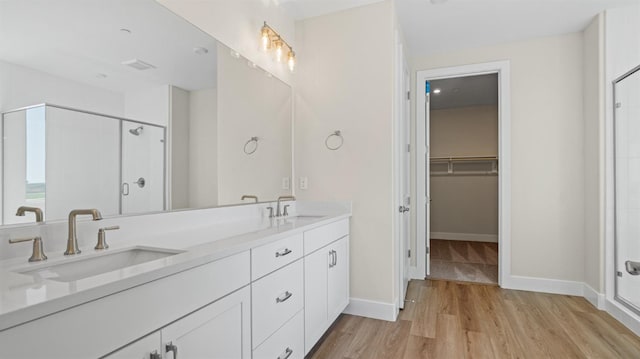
464	204
22	86
344	82
149	105
593	52
203	148
547	137
237	24
179	131
251	104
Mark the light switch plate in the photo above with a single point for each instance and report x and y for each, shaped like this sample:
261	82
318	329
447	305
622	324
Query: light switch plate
304	183
286	183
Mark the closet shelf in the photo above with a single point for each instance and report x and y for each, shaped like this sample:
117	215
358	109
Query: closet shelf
464	166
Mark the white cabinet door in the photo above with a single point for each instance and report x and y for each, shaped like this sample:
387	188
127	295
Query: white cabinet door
141	349
315	296
219	330
338	278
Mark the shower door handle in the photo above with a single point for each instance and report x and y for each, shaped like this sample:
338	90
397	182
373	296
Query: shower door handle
125	189
632	267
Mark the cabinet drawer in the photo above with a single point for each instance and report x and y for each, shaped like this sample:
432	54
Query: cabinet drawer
265	259
319	237
287	342
275	299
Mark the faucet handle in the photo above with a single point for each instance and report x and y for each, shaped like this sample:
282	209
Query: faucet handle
102	237
270	211
37	254
285	212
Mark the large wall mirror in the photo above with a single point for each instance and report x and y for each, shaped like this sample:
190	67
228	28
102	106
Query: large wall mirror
123	106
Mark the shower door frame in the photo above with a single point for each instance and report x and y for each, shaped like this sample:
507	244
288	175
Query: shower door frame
616	258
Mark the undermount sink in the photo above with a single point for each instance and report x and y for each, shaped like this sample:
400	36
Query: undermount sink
71	269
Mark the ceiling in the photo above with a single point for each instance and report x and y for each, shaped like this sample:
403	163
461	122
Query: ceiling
465	91
457	24
82	41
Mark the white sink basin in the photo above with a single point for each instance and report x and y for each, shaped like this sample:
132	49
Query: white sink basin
71	269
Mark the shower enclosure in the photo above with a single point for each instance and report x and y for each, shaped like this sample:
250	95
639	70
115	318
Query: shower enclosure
627	189
60	158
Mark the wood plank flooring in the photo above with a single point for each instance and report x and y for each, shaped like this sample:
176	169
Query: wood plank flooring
464	261
466	320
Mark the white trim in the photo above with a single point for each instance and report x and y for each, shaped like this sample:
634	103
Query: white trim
502	68
623	315
415	274
471	237
595	298
544	285
372	309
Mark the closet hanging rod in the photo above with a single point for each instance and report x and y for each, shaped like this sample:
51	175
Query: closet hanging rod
464	158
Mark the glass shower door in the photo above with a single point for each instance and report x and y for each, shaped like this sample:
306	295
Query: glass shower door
627	189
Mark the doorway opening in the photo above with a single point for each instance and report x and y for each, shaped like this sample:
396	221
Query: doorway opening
459	209
463	179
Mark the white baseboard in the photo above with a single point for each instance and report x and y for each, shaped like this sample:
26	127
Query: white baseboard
413	273
623	315
372	309
544	285
471	237
595	298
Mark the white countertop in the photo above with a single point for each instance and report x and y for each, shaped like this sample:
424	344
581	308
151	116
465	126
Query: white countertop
24	297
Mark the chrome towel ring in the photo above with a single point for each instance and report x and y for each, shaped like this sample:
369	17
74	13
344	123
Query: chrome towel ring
251	146
338	135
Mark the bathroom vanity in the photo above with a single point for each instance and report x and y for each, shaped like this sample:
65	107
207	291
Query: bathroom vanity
268	290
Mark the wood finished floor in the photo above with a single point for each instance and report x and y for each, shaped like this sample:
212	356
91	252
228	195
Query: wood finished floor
464	261
466	320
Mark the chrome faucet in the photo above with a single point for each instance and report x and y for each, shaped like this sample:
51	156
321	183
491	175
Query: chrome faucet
72	241
278	213
37	211
247	196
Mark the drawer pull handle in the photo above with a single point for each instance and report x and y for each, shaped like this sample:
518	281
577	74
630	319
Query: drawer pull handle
283	252
287	353
284	297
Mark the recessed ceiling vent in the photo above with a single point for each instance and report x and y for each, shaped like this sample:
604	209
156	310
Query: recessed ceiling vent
138	64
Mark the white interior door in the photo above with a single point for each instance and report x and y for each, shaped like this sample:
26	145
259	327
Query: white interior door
405	190
427	177
627	195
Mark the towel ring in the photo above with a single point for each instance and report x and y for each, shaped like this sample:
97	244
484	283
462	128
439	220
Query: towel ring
338	134
248	148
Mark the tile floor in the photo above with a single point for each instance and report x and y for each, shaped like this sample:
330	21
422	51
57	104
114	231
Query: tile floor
464	261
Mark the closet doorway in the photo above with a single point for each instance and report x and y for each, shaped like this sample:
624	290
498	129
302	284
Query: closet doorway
463	178
465	226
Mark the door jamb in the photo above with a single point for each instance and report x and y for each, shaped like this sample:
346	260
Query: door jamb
502	68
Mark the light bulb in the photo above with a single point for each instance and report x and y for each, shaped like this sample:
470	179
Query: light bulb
291	61
279	51
265	38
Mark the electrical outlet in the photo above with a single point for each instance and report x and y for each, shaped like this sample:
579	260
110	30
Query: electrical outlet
285	183
304	183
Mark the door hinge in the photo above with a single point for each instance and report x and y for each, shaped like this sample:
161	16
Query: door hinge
409	253
408	95
618	104
408	148
428	250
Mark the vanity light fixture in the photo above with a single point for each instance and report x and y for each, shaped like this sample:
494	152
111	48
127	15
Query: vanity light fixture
270	39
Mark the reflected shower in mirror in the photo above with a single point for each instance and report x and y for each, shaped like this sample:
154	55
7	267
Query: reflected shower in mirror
59	159
144	112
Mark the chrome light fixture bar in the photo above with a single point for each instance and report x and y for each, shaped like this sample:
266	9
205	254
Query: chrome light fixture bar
270	39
